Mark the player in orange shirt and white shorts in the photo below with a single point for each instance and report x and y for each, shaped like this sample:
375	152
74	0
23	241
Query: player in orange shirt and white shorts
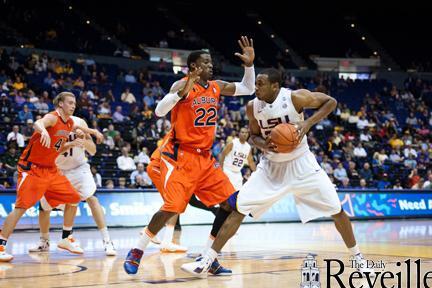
186	164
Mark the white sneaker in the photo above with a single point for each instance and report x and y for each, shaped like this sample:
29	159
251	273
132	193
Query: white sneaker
109	248
198	269
172	248
4	257
70	245
43	246
361	265
154	240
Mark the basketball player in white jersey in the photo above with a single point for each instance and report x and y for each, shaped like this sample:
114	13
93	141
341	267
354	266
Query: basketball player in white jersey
234	156
279	174
73	164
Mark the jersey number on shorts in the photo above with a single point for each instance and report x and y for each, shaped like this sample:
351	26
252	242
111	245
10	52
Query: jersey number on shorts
72	137
237	162
202	113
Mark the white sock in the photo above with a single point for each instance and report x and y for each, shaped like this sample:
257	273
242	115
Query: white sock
355	250
210	254
209	244
168	235
45	236
67	228
144	239
105	234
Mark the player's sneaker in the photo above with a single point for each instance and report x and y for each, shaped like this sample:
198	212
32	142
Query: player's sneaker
70	245
198	269
172	248
216	268
361	265
132	262
109	248
4	257
154	240
42	246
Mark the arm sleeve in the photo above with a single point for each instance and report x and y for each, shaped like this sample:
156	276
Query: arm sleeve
247	85
166	104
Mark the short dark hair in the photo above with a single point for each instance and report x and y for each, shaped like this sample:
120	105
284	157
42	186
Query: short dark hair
273	75
194	55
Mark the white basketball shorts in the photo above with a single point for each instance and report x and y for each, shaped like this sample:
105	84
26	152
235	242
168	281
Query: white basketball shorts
314	194
236	178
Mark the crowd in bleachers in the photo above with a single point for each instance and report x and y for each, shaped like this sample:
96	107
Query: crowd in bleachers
379	136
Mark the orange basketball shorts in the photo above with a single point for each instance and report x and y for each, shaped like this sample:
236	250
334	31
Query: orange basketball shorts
182	172
35	182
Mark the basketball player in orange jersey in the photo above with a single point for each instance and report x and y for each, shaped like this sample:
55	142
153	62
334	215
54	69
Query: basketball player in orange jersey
37	172
186	164
278	173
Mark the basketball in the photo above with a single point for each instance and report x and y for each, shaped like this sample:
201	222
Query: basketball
285	137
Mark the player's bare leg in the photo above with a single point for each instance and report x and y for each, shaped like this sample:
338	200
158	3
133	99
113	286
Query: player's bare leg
99	217
167	245
344	227
44	225
7	229
68	242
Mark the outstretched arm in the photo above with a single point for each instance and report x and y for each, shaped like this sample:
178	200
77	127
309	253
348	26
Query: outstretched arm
247	85
303	99
251	161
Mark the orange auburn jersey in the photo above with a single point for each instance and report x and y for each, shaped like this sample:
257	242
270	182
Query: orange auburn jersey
42	156
194	118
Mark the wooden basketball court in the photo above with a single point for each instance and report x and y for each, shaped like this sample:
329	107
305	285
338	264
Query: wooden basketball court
261	255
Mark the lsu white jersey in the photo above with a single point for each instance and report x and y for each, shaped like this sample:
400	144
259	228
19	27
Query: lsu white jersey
75	156
237	158
282	110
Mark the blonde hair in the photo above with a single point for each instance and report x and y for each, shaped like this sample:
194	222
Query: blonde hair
61	98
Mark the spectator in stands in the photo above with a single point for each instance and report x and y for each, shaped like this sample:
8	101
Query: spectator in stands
340	173
419	184
104	110
122	183
109	184
130	77
380	157
428	183
365	136
96	176
412	120
362	123
152	133
108	97
345	183
410	151
383	182
16	136
143	156
157	90
411	162
366	173
27	130
108	140
25	114
49	80
397	185
19	98
125	162
359	151
10	159
395	141
326	165
118	116
128	97
396	156
363	184
149	99
144	180
413	177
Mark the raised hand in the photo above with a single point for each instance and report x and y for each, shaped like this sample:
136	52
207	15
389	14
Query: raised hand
248	52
